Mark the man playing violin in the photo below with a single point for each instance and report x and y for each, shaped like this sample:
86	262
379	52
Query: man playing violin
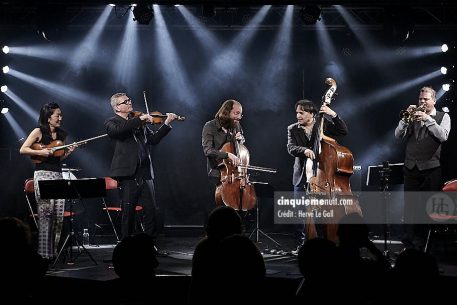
50	211
300	138
131	164
222	129
423	134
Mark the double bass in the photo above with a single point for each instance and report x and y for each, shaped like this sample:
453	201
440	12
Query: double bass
329	174
235	189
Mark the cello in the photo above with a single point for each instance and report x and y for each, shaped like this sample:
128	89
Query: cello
235	189
329	174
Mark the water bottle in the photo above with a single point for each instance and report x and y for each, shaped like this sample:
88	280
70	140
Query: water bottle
85	237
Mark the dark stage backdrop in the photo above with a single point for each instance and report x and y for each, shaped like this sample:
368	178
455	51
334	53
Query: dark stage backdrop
193	81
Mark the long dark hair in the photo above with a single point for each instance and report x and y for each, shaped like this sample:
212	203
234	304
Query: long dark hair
45	113
223	114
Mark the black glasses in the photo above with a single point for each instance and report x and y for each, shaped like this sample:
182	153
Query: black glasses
127	101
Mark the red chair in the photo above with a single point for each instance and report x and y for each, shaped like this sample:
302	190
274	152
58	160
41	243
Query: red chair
111	184
449	186
29	190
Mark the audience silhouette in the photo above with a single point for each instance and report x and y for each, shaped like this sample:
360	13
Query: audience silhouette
367	272
416	276
22	269
239	271
228	268
135	262
320	266
222	222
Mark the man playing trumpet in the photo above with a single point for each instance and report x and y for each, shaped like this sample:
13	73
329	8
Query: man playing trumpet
424	129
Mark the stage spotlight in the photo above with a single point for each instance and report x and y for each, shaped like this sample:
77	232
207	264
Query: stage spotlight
112	4
6	49
449	85
4	107
50	21
444	48
208	11
399	21
4	88
6	69
443	70
143	13
310	14
450	72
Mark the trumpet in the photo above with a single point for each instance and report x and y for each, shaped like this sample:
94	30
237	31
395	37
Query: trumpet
407	116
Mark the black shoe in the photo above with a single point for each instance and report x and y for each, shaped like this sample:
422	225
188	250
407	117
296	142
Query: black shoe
295	252
299	244
162	253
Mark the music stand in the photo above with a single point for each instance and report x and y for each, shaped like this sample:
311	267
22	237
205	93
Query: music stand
382	176
72	189
262	189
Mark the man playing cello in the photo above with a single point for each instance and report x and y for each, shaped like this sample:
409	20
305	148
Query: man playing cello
223	128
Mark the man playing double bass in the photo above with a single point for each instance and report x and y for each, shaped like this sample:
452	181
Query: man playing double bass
300	139
222	129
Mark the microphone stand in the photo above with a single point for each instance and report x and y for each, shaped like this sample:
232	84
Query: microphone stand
384	187
257	229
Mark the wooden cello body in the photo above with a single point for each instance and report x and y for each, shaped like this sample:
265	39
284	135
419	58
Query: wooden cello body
235	189
330	179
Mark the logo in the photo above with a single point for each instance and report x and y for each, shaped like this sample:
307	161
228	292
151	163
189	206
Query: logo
440	207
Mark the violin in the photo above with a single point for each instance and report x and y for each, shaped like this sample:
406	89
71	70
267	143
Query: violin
157	117
59	152
57	148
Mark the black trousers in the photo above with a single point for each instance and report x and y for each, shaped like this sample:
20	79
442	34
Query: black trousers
213	182
428	180
138	191
415	213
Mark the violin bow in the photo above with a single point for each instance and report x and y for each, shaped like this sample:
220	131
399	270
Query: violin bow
54	149
145	102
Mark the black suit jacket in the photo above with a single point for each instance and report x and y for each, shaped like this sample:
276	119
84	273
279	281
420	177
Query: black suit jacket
121	131
297	143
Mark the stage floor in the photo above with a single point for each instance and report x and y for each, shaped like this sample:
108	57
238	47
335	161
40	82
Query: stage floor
279	260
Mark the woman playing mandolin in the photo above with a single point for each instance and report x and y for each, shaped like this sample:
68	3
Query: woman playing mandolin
50	211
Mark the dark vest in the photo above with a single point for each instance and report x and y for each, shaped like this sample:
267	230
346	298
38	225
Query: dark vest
423	152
